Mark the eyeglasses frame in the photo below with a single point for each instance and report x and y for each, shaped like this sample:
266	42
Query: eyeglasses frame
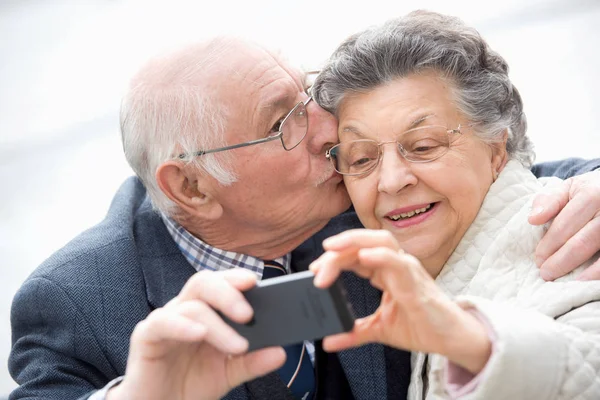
279	136
401	149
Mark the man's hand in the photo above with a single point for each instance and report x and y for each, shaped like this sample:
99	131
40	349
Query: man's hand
186	351
574	235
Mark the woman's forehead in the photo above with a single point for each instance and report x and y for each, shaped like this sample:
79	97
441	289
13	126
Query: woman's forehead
404	104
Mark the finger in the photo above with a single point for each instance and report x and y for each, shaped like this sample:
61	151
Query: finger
572	219
400	276
579	248
219	334
239	278
361	334
547	205
333	257
158	325
249	366
330	273
161	325
339	342
222	291
592	273
343	256
370	262
361	238
328	267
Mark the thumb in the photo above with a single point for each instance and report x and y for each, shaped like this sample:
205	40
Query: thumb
251	365
547	205
362	333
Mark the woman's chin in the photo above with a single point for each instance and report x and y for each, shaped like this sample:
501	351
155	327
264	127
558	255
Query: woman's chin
428	249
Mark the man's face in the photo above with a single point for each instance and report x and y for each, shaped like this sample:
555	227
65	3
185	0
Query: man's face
281	197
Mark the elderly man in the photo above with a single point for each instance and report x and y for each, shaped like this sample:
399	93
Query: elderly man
227	176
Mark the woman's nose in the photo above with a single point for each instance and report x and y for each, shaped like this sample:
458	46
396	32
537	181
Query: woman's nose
394	171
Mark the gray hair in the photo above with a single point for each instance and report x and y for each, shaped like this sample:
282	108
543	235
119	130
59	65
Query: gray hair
423	41
169	110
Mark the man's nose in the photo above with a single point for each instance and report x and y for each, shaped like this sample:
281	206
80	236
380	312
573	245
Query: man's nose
394	171
322	129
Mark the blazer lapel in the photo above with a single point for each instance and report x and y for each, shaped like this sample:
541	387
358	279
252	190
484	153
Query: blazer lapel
166	271
165	268
365	365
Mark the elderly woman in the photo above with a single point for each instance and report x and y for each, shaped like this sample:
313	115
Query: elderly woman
434	153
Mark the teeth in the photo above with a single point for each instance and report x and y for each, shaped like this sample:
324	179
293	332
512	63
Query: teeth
409	214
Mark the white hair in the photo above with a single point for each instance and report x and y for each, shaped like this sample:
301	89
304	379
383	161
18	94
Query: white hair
170	110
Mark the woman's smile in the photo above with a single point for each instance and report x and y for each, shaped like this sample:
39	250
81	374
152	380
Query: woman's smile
410	216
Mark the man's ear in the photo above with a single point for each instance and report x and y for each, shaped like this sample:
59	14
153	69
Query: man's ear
191	191
499	155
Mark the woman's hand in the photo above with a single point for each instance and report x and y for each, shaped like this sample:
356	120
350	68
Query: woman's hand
414	313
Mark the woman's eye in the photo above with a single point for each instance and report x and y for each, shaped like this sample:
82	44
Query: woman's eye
361	161
424	147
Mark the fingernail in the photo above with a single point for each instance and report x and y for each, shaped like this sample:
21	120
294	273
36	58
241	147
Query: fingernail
331	241
545	275
536	211
241	310
318	280
240	344
328	241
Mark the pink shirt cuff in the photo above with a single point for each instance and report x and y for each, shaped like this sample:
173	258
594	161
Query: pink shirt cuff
459	381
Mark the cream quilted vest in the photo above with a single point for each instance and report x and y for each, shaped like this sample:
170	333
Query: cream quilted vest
547	343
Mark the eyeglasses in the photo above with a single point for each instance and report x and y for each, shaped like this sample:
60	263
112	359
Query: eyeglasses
418	145
292	130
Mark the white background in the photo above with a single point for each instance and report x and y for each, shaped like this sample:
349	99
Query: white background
63	67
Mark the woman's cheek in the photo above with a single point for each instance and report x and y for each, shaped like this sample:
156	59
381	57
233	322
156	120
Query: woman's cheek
364	199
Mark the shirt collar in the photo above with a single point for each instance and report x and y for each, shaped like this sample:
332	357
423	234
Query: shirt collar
203	256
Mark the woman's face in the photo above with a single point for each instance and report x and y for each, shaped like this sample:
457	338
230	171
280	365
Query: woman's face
446	193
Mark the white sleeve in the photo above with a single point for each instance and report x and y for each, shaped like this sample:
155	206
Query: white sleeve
101	394
538	357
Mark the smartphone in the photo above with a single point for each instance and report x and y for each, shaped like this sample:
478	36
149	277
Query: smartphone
289	309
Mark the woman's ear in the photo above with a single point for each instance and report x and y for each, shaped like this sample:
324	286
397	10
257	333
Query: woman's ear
190	190
499	155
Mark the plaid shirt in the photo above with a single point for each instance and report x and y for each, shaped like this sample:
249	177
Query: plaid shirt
204	256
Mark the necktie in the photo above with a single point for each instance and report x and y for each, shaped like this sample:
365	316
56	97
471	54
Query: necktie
297	372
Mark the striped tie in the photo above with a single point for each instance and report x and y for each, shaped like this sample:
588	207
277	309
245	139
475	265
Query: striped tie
297	372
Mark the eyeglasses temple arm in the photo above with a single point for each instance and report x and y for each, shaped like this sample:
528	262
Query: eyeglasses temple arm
233	146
